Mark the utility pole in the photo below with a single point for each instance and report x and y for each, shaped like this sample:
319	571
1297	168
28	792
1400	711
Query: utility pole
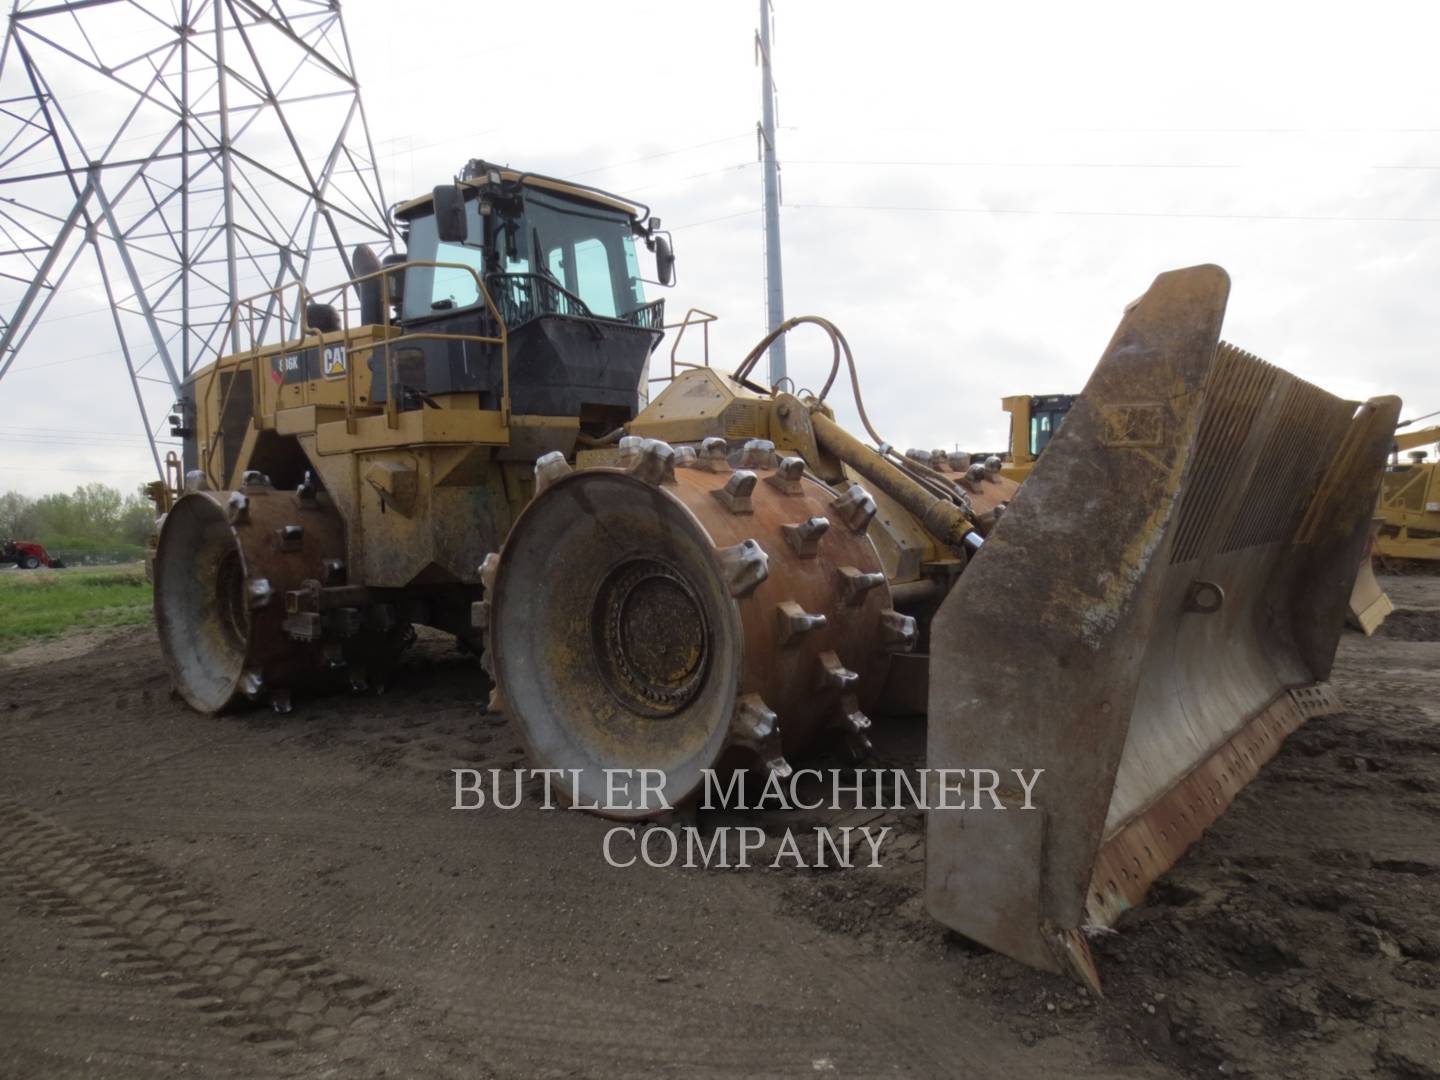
774	282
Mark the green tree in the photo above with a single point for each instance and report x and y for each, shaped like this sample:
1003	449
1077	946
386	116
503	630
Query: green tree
98	508
93	523
137	518
17	516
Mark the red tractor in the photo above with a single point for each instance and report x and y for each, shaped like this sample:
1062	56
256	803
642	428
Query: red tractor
27	556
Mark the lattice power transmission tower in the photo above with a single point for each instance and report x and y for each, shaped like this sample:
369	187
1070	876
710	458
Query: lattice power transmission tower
171	157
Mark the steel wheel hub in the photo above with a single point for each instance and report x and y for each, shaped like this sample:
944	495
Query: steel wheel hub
651	638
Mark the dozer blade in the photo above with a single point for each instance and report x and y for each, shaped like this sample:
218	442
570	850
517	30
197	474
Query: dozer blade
1368	603
1156	611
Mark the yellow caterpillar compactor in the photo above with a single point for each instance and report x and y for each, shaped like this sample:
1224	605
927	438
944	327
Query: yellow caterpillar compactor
724	578
1410	498
1406	525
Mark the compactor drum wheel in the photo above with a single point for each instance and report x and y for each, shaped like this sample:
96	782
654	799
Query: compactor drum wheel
231	571
722	614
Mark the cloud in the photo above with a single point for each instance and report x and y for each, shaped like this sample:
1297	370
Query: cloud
972	192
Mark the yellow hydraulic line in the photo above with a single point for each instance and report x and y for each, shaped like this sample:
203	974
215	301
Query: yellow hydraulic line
941	518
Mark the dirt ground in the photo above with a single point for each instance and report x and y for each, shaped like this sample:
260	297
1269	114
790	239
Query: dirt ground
262	895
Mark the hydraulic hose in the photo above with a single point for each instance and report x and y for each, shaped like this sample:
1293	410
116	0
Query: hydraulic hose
940	517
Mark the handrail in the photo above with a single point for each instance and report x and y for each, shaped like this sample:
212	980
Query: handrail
309	337
387	345
549	282
704	321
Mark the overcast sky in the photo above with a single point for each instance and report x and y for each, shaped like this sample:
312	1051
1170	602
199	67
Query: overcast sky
971	191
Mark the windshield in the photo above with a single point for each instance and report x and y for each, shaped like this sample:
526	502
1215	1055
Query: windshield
588	250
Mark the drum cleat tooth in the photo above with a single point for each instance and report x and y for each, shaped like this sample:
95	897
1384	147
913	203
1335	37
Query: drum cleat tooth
856	585
258	592
834	675
735	495
629	447
308	488
756	454
795	621
755	727
252	685
856	507
488	568
851	719
897	631
714	455
550	468
303	626
745	567
496	702
654	463
237	508
786	477
854	726
804	536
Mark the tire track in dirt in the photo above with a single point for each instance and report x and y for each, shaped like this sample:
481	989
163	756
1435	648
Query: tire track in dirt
156	930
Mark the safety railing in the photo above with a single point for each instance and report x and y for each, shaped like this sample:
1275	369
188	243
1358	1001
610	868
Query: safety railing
693	317
273	301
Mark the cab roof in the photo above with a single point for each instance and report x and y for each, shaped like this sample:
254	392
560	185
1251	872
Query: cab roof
594	196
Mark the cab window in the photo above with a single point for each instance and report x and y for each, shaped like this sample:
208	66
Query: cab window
442	288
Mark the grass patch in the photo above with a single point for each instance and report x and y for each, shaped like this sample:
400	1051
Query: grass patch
81	552
38	604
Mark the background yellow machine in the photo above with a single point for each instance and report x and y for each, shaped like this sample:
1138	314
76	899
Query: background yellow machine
1409	507
724	578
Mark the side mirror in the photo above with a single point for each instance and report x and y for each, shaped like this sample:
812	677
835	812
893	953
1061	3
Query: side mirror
664	261
449	202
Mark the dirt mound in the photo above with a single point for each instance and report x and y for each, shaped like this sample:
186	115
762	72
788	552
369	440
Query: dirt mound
1407	625
259	895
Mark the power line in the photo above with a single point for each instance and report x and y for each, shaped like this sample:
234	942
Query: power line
69	360
119	442
713	220
849	162
737	167
1051	129
1024	211
661	154
70	431
147	470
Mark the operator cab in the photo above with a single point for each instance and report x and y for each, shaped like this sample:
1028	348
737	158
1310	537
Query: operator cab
1045	415
1034	420
560	264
